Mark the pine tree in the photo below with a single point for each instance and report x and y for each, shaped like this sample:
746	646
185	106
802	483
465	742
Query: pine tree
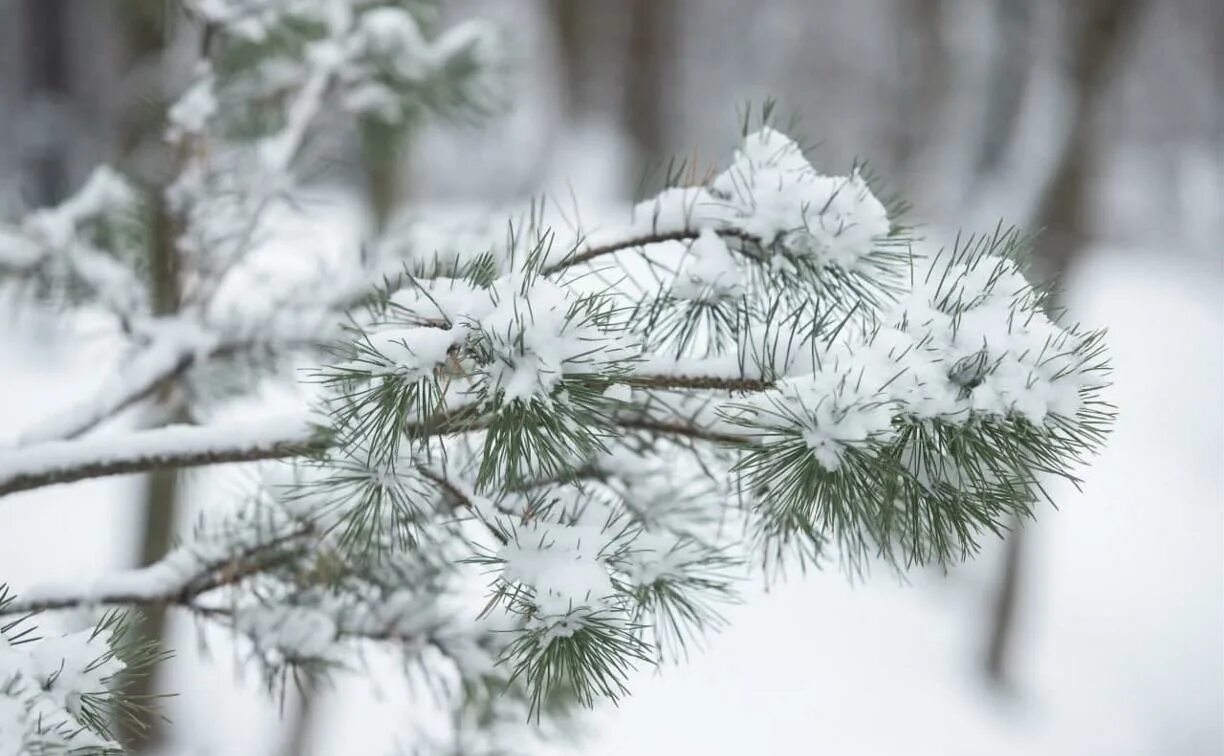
535	462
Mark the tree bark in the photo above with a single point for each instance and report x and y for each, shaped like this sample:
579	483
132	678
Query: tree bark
144	24
162	487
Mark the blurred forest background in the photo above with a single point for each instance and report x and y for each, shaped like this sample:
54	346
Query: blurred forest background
1098	122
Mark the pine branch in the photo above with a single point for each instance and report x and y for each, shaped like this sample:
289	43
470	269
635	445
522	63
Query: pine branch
140	451
699	382
459	498
581	254
57	462
680	429
164	583
163	359
137	379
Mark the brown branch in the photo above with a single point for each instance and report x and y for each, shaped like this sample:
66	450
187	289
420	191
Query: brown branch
580	255
681	429
211	576
459	499
53	463
699	382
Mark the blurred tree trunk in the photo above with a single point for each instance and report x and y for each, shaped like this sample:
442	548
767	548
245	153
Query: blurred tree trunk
162	487
651	53
567	17
924	77
618	63
1097	31
144	26
1009	77
46	85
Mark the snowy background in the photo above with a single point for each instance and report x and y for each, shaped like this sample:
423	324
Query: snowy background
1120	634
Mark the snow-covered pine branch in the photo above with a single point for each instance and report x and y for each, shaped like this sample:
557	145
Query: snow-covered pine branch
61	692
537	462
271	79
775	329
902	423
173	446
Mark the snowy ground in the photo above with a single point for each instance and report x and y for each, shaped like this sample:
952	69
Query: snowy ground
1121	646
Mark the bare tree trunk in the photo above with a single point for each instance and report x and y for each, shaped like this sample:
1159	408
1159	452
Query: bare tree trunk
145	29
1009	77
1098	29
46	85
924	77
162	487
648	76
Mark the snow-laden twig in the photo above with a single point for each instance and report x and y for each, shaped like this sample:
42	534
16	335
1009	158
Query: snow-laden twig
173	446
180	578
278	151
173	346
585	252
291	435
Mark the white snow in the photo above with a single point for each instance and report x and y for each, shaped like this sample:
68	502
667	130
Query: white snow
536	339
171	343
709	271
773	193
175	441
191	112
563	565
42	682
770	192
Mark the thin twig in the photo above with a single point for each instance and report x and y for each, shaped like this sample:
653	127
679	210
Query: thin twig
580	255
699	382
211	576
53	463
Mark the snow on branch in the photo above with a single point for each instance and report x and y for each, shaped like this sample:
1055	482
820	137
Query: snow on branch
173	345
187	573
62	692
82	246
762	368
57	462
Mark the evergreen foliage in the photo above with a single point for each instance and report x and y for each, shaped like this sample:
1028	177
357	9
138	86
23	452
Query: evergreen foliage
537	463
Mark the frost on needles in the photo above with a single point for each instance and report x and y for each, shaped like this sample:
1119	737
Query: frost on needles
537	460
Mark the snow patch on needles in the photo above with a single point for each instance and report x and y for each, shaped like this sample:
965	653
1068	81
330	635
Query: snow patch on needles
770	196
773	193
562	565
980	323
414	353
536	335
709	272
44	683
839	405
